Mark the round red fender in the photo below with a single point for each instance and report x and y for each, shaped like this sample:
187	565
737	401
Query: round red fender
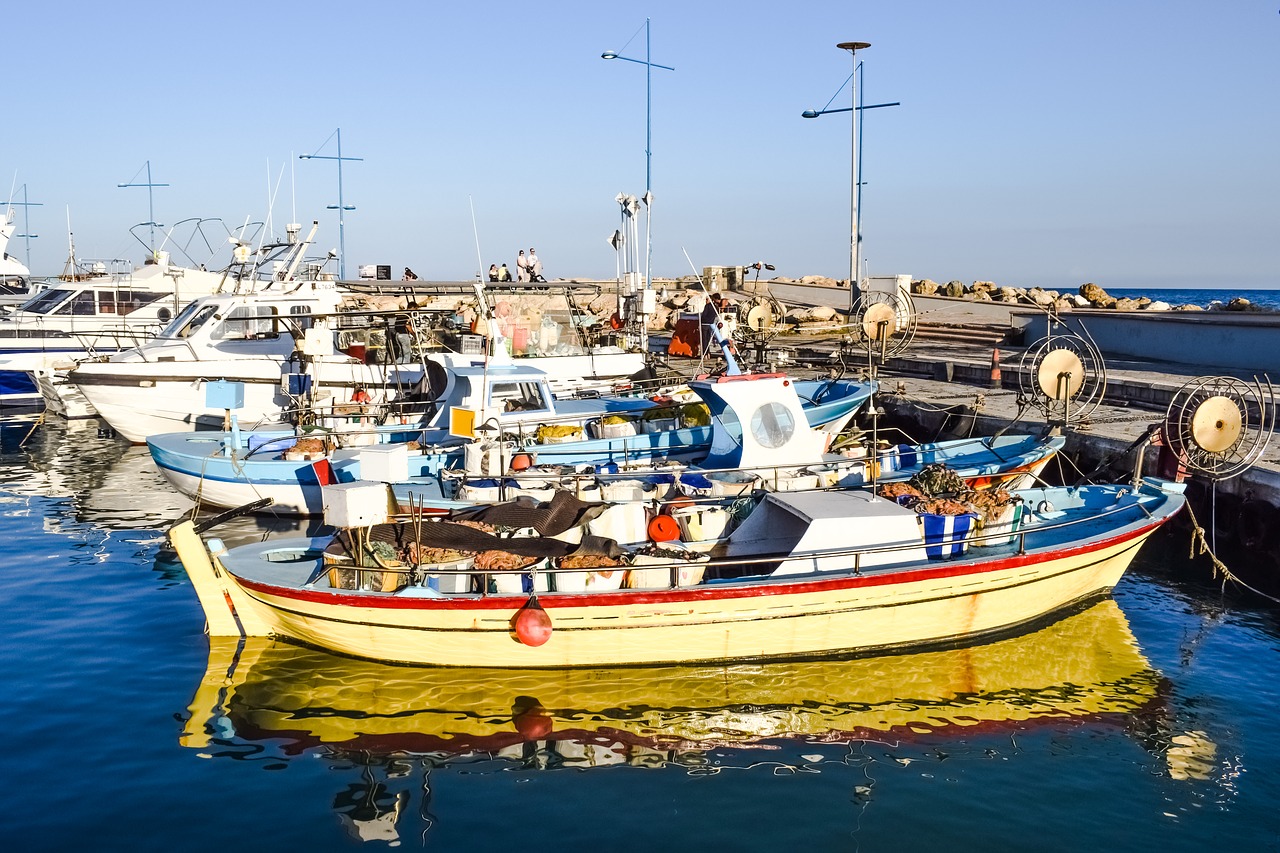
615	322
663	528
532	624
521	461
361	396
533	722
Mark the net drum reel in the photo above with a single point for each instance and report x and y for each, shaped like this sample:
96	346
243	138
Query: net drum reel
1064	375
884	324
1216	427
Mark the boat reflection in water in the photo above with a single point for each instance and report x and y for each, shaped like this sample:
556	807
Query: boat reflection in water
379	716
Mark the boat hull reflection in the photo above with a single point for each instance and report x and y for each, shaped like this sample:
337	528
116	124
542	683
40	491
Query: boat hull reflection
1085	665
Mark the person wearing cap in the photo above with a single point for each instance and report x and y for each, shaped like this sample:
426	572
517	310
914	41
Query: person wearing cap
535	266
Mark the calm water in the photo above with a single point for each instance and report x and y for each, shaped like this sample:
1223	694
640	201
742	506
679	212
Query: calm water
1146	722
1269	299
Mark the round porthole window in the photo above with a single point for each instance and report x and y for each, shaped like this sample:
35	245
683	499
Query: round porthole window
772	425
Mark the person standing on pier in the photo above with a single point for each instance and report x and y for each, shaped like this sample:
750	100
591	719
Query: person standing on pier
522	267
535	266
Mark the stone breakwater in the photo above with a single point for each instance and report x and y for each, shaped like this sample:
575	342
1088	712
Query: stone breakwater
1088	295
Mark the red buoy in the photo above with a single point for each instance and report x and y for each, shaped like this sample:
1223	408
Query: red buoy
532	624
533	722
521	461
663	528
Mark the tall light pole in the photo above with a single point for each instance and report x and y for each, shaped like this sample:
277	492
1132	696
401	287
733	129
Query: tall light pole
341	207
151	207
855	181
649	65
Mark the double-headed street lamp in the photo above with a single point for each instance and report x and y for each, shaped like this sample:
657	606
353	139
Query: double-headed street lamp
855	187
649	65
340	206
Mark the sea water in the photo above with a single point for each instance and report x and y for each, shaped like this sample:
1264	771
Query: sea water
1267	299
1144	723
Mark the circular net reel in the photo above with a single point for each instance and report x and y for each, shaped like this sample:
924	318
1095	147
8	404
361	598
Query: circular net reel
1064	375
1219	426
885	323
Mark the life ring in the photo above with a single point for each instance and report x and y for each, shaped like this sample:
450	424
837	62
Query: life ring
663	528
1253	524
615	322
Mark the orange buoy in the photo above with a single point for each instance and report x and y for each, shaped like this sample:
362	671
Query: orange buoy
531	624
361	396
663	528
521	461
615	322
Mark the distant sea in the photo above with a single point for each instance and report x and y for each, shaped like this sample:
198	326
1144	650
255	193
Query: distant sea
1269	299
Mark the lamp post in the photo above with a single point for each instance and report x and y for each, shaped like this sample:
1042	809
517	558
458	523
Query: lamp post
341	207
151	208
649	65
855	182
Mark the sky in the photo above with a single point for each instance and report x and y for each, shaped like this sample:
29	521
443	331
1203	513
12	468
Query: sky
1131	143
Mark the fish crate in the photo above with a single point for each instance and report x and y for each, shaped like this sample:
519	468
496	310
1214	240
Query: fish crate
1001	529
662	425
373	580
622	429
449	577
947	536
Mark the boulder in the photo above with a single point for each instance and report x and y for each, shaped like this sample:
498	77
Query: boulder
1095	294
1080	301
1124	303
1041	297
821	314
984	287
924	287
1188	307
821	280
1064	303
1239	303
1157	306
955	288
1011	294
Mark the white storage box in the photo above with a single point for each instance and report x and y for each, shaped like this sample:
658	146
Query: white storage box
385	463
454	577
600	429
358	504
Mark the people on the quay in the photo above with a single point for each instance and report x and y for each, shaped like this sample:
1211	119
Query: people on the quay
410	275
493	272
504	274
535	265
708	319
522	267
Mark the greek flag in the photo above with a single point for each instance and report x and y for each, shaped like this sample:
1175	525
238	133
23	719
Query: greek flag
947	535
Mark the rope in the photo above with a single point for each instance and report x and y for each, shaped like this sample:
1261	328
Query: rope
1200	545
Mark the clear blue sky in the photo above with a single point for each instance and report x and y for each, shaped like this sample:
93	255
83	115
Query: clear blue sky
1127	142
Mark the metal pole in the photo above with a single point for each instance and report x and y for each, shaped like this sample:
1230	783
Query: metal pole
648	158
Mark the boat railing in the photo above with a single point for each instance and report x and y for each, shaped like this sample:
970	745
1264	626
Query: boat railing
1132	506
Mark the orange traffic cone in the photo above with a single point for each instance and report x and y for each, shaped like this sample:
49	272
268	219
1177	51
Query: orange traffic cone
995	368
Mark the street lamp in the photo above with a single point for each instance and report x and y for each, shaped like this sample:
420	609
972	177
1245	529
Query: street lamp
855	182
151	208
340	207
649	65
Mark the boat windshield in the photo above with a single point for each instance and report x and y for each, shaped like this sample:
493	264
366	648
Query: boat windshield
45	303
192	318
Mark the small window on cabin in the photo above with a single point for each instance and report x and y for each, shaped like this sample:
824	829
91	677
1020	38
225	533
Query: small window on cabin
301	315
248	323
772	425
518	396
81	305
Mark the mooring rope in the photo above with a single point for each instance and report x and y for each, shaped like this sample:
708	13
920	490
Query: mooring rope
1200	545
